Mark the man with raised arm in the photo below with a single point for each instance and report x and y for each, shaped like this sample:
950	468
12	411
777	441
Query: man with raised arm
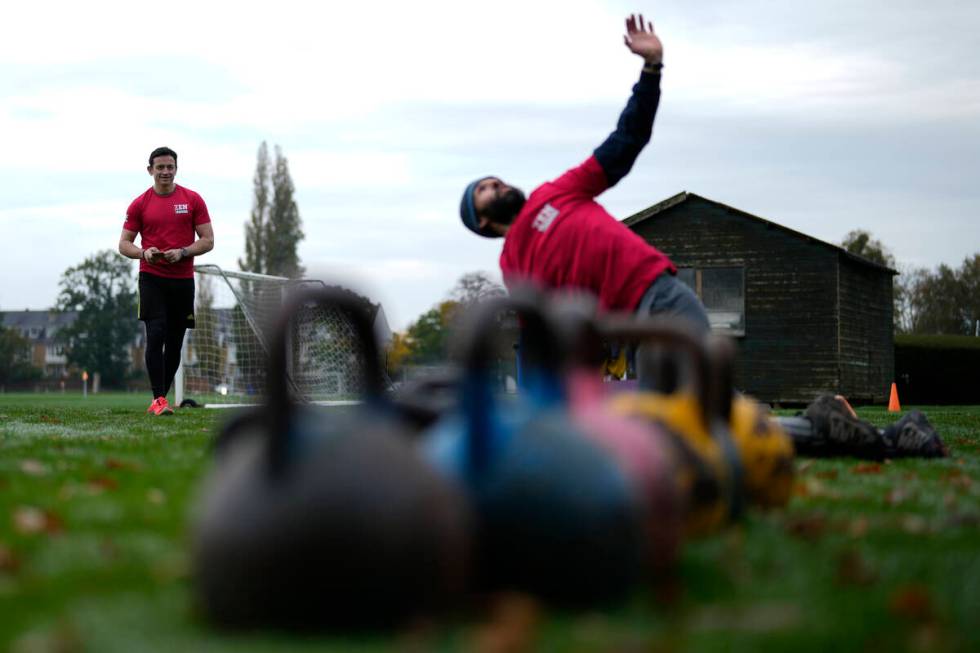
559	237
167	217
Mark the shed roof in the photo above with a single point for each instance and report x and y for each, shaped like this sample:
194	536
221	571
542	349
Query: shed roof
681	197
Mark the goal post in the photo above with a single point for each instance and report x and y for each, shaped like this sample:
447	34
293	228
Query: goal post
223	362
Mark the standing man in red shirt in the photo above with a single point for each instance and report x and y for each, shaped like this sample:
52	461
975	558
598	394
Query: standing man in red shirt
561	238
167	217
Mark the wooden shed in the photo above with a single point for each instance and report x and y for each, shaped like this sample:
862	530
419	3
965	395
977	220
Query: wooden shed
807	316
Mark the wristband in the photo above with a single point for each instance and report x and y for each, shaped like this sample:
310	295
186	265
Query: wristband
653	67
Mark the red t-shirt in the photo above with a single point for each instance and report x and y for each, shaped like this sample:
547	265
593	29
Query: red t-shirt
167	222
563	238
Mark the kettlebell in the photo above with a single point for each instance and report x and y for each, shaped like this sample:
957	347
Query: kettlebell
316	519
764	449
675	392
555	516
638	446
421	402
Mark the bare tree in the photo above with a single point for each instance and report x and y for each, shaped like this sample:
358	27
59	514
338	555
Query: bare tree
475	286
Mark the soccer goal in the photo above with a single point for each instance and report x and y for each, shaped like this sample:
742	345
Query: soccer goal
224	357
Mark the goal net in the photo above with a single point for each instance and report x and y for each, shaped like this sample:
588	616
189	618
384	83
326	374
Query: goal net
224	357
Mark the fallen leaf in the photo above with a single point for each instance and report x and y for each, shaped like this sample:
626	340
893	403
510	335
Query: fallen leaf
103	483
802	467
513	622
866	468
115	463
50	420
33	467
8	561
962	483
829	474
858	527
808	527
911	602
853	569
812	487
929	637
30	521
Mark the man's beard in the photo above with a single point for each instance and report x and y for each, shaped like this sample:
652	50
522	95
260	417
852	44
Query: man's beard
505	207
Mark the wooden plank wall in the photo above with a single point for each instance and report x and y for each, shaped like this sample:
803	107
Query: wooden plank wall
867	340
789	351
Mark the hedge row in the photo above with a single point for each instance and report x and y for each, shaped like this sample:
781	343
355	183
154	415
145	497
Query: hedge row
938	369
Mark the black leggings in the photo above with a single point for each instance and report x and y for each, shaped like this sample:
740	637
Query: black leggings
163	345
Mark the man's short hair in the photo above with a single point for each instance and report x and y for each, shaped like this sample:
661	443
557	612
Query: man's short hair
162	151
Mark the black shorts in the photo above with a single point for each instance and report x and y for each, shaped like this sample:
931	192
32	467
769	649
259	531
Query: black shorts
172	299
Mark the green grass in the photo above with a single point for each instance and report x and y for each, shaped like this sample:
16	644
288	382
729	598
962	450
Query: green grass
95	498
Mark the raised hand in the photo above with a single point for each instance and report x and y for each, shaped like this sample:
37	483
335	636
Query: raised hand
641	40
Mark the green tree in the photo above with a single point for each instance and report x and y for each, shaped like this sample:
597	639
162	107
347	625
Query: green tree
285	225
426	340
969	277
861	243
274	228
428	336
258	224
15	358
101	289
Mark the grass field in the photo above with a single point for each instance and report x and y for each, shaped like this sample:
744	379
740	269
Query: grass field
95	497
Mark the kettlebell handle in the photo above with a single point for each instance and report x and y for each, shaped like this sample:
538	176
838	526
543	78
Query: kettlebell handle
474	349
667	332
277	383
475	346
721	354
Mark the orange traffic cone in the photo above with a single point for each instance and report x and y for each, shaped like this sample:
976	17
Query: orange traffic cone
893	405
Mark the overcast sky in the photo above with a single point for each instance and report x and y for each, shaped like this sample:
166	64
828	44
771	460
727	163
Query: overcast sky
823	117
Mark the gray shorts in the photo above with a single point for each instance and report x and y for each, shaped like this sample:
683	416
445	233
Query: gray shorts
667	296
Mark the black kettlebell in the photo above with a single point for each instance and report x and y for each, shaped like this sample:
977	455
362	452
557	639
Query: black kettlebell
319	519
556	517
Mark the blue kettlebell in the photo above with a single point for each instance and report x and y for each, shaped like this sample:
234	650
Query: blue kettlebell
554	514
317	519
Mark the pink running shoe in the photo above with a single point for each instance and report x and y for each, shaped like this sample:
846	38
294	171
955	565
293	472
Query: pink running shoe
161	407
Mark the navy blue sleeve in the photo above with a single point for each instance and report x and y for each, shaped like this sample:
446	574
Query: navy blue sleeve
617	153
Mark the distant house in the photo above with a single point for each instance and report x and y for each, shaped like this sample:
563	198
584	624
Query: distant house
807	316
40	329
